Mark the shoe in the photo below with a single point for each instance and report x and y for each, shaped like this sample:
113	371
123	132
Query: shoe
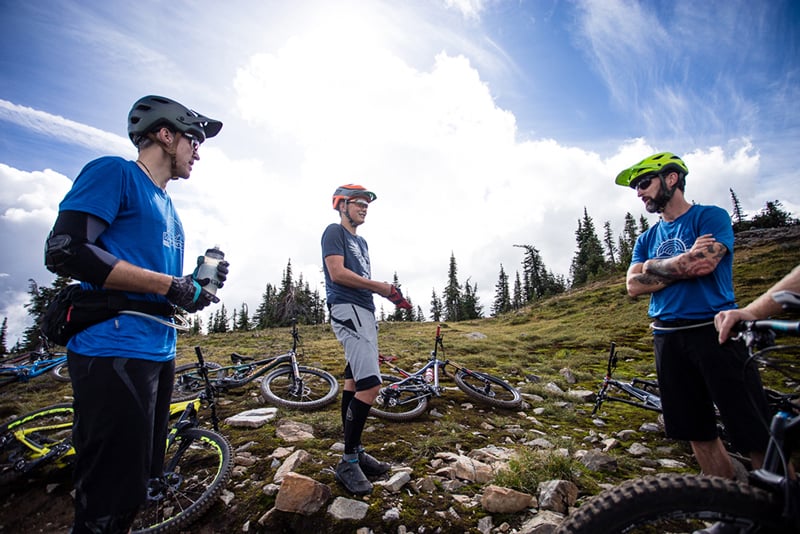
720	528
370	466
349	475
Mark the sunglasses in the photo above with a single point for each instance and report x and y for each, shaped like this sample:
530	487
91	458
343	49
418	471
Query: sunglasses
643	184
359	203
194	141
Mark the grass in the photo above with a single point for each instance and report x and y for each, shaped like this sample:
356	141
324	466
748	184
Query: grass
571	331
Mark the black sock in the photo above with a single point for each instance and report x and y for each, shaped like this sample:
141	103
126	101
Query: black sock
347	396
356	418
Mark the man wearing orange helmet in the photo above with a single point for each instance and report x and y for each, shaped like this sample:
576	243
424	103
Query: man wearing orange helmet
685	263
349	290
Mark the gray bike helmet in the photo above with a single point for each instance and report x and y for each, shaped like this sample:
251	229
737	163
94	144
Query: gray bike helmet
151	112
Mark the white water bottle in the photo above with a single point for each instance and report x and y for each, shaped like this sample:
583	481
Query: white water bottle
207	268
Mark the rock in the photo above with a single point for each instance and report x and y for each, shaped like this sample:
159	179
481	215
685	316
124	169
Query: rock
637	449
301	495
342	509
568	375
583	395
557	495
545	522
396	482
255	418
501	500
292	431
595	460
466	468
290	464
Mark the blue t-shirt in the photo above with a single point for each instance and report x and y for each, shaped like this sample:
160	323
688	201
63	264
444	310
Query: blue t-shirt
337	241
694	298
144	230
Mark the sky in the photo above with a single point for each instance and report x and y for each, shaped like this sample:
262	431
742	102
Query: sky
479	124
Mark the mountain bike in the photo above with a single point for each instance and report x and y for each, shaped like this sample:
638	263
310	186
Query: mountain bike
407	395
640	392
197	463
36	363
288	384
770	502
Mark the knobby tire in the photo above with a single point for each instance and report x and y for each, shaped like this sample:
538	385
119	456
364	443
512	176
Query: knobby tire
411	402
60	372
197	466
488	389
49	427
319	388
677	503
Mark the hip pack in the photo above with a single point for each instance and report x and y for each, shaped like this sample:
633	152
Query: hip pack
74	309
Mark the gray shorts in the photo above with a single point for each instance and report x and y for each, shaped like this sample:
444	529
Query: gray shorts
357	330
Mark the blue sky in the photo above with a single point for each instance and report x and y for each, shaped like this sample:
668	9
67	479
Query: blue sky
480	124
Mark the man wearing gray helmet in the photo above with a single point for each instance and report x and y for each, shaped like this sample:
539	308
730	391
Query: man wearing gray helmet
118	230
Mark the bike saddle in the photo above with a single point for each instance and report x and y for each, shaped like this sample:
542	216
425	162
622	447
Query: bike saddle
238	358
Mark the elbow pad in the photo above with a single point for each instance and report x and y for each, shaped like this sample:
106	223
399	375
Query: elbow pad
80	260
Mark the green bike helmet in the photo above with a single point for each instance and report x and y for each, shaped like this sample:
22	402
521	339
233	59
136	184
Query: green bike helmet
151	112
660	163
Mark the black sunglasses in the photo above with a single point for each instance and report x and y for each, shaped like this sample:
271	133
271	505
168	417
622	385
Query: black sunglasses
643	184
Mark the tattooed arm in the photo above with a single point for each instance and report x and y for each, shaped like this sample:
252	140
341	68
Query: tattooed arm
654	275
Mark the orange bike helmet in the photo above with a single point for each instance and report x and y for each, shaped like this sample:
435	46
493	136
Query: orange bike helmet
346	192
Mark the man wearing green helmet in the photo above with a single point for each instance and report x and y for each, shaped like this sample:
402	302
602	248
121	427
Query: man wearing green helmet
685	263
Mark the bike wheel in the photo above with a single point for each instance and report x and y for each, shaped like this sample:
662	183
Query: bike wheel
314	389
35	439
197	466
188	382
402	403
60	372
676	503
488	389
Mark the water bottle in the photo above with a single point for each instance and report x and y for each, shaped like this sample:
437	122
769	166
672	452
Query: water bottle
207	268
429	374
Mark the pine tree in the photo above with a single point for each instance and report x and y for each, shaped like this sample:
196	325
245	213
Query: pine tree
265	316
644	224
611	249
436	307
3	336
420	316
772	215
40	298
738	218
470	303
452	293
397	314
242	323
502	297
588	260
627	241
517	300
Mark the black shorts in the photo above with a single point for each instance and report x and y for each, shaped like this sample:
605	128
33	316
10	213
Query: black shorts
695	373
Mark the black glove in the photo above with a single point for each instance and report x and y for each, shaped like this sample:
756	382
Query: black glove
189	294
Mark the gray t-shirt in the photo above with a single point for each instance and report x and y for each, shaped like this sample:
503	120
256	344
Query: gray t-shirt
337	241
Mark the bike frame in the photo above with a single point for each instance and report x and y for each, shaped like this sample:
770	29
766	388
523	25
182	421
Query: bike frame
23	373
644	398
417	378
252	369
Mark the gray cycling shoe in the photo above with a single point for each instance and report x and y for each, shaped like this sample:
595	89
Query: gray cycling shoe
720	528
370	466
349	475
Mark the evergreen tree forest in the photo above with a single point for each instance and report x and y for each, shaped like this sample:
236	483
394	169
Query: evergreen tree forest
292	298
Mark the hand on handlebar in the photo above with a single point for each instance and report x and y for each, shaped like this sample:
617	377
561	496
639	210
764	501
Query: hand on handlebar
725	321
